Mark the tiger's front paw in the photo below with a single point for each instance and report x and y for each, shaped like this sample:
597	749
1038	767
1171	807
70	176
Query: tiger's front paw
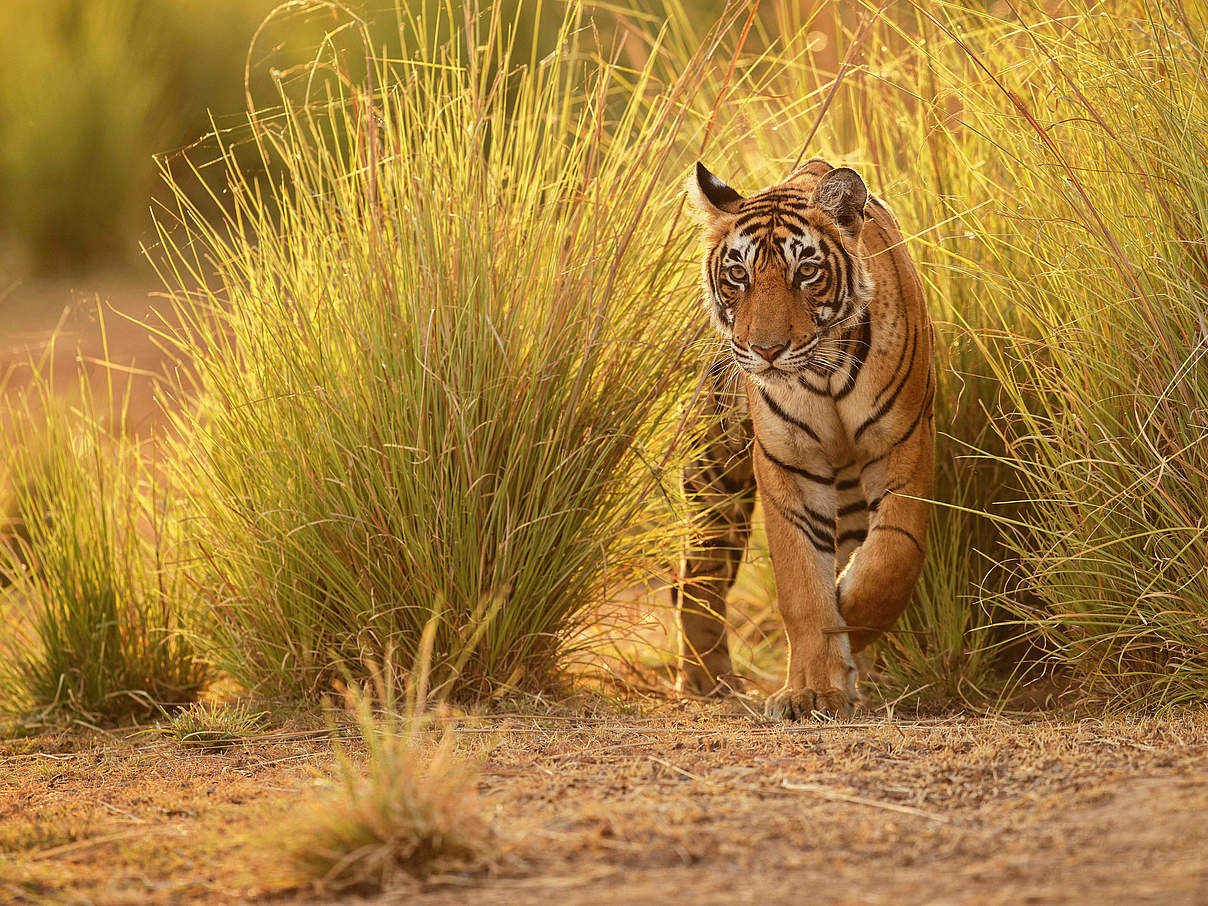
808	704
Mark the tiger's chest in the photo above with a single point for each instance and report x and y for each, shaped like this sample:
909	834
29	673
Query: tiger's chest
799	427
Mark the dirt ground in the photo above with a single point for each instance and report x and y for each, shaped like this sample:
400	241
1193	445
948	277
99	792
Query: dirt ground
692	805
58	323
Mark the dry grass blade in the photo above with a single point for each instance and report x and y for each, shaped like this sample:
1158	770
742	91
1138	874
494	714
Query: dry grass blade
837	796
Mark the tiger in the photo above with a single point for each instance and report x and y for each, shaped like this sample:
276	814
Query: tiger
823	404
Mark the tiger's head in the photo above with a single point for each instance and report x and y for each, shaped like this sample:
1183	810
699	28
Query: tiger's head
783	275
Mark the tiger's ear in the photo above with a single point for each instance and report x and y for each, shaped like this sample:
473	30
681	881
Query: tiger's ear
842	194
711	196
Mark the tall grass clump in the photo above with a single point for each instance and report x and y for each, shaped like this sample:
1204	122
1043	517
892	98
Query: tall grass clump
436	363
1056	183
1106	377
95	600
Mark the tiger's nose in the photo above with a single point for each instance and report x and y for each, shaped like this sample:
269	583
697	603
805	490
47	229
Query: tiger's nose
768	352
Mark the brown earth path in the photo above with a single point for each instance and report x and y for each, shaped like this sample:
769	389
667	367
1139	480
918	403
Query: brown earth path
56	324
691	806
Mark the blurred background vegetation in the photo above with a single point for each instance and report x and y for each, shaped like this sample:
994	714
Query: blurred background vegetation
452	181
98	89
95	89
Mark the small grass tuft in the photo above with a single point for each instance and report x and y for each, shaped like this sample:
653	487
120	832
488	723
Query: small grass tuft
212	726
95	598
411	812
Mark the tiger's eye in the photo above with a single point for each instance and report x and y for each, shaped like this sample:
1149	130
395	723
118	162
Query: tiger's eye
806	272
737	273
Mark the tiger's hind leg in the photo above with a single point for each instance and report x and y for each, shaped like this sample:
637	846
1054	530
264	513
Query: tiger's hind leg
720	490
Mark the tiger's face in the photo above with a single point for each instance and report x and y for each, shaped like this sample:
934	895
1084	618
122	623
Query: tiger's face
782	273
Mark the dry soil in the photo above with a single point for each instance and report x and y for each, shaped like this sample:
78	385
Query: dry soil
692	805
